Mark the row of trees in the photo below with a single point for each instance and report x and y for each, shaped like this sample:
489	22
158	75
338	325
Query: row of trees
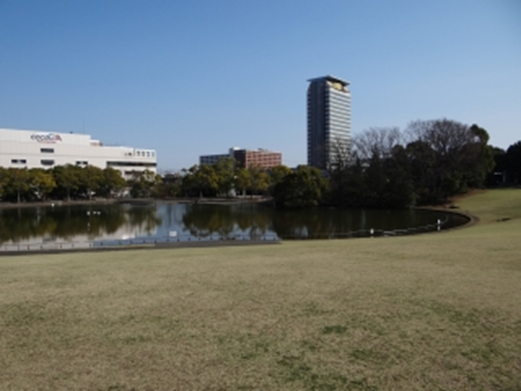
66	182
75	182
427	163
225	178
298	188
302	187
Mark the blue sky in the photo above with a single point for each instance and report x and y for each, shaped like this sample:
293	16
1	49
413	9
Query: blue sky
197	77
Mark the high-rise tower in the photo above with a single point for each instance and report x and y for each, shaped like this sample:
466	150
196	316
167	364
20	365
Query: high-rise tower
329	121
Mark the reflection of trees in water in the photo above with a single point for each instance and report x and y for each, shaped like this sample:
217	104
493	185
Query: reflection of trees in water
254	220
144	218
204	220
92	221
226	221
329	223
66	222
298	224
321	223
172	214
15	225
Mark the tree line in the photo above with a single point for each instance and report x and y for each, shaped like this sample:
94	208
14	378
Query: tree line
223	179
426	163
70	182
507	168
62	183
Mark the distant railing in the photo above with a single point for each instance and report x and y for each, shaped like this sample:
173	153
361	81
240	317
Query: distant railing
111	243
369	233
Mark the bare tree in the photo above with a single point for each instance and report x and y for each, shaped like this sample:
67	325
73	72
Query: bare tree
443	136
376	142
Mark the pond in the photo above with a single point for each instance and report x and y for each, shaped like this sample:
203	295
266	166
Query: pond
77	226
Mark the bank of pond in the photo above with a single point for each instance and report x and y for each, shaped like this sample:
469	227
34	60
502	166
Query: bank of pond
56	226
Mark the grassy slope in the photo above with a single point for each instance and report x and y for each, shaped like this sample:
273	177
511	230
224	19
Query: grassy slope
435	311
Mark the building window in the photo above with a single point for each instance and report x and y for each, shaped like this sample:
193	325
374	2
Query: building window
81	163
130	164
47	162
18	161
47	150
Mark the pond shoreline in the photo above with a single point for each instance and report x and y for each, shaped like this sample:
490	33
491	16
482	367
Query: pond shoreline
171	237
137	201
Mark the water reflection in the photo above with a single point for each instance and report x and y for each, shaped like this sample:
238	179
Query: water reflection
76	222
227	222
333	223
111	224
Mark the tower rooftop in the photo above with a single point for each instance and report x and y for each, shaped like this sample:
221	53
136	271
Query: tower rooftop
330	78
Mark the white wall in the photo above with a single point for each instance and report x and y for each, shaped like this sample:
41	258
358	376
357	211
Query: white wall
25	148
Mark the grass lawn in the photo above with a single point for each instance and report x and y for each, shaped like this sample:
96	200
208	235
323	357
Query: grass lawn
437	311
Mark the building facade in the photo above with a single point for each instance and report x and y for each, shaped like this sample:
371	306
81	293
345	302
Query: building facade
39	149
212	159
262	158
329	121
246	158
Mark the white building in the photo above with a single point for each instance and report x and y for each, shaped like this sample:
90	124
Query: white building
39	149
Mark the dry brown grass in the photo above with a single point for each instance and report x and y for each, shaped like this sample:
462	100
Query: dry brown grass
435	311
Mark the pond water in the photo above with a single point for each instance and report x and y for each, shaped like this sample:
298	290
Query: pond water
76	226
